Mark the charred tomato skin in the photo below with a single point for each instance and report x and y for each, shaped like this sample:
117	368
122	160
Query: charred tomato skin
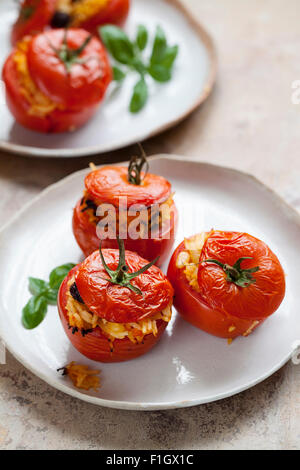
86	236
214	317
109	185
95	345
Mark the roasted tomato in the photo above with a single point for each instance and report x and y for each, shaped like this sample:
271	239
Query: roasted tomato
113	306
123	190
36	15
55	81
226	283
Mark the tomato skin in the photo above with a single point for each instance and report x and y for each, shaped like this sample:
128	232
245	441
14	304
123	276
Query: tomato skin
110	185
193	309
107	184
116	12
41	16
256	301
59	120
116	303
85	84
95	345
86	237
17	103
84	231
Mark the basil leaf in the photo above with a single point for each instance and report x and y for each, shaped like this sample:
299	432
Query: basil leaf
44	293
160	73
34	312
139	97
129	53
142	37
119	75
58	274
159	46
171	53
117	43
51	296
139	66
37	286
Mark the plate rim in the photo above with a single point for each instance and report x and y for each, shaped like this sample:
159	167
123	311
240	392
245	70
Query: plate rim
206	39
149	406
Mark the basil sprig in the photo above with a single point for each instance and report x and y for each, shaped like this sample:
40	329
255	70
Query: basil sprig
130	54
43	294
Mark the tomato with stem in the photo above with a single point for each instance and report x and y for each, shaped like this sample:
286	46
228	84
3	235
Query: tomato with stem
239	283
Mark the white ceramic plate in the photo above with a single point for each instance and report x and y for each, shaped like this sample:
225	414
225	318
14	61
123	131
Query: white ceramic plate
188	366
114	126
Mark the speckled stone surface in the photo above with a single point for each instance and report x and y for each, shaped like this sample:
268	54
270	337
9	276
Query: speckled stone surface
250	123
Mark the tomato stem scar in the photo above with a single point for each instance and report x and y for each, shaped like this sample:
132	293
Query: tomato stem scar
70	56
237	275
121	276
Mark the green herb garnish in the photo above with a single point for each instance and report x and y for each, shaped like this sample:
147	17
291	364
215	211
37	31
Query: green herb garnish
119	75
129	53
139	96
43	294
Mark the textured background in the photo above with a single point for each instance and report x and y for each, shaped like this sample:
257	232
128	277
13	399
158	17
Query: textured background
249	123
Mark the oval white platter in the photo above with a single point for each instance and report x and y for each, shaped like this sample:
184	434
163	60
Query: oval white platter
114	126
187	367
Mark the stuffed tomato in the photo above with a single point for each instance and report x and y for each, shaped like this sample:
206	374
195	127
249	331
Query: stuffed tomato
55	81
36	15
137	206
114	306
226	283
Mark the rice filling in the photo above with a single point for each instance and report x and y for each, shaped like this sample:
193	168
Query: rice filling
80	318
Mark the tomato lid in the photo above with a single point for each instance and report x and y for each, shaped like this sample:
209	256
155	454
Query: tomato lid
34	15
108	184
74	83
253	289
117	303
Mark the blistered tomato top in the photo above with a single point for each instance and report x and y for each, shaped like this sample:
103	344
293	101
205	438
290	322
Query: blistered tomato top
80	86
119	304
108	184
255	301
